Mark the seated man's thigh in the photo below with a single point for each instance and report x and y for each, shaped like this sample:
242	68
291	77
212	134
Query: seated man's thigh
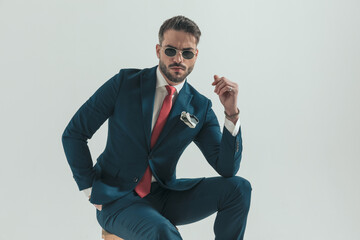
140	221
209	196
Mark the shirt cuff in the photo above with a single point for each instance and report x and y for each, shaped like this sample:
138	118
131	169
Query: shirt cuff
87	192
231	127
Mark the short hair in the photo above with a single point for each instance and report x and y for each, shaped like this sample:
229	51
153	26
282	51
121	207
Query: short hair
180	23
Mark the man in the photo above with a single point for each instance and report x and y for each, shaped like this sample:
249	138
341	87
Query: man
154	114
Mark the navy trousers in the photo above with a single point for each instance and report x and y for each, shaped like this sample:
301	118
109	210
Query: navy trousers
155	216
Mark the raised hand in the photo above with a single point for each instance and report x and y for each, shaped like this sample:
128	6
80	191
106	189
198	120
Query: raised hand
227	92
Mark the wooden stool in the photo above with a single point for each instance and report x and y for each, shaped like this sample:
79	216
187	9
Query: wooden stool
109	236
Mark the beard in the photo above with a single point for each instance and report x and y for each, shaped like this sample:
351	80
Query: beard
176	78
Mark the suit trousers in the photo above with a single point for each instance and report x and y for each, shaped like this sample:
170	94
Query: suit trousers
155	216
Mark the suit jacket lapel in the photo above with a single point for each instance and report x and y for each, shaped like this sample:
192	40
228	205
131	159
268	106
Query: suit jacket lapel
148	86
181	104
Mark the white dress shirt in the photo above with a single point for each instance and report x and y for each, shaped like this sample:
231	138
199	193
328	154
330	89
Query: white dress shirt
160	94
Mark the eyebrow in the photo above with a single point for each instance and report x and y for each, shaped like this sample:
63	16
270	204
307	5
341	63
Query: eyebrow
189	48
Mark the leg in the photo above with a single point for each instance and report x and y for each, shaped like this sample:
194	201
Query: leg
230	197
139	221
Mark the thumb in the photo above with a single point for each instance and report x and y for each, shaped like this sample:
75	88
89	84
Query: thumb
216	78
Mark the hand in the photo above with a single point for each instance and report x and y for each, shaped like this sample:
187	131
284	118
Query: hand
98	207
227	92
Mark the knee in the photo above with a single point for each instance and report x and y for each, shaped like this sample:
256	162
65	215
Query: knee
166	230
241	186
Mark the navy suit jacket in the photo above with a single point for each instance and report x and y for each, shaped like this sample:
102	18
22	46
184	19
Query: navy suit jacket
127	100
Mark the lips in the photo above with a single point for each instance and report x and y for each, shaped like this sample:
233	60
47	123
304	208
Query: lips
178	68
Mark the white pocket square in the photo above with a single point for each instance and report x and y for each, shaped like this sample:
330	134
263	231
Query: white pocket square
189	119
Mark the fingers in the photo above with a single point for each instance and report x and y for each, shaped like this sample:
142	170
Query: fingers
223	85
218	82
216	79
98	207
219	85
229	88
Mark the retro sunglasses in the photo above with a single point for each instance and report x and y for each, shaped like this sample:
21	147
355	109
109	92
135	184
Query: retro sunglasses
186	54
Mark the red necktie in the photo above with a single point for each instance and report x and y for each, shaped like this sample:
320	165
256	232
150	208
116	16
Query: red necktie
143	187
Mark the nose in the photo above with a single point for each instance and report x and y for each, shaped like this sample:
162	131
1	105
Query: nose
178	58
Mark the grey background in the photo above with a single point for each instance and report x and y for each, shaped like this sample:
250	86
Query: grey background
297	64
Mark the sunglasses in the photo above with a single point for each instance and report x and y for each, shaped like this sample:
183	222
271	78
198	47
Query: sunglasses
186	54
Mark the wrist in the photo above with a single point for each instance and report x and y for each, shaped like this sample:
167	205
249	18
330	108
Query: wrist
232	115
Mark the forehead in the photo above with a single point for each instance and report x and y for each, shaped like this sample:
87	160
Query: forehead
179	39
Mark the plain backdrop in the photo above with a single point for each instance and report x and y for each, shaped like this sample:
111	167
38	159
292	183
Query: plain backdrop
297	63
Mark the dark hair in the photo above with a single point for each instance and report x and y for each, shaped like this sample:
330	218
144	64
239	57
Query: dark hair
180	23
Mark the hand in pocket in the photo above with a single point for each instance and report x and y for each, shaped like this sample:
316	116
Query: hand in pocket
98	207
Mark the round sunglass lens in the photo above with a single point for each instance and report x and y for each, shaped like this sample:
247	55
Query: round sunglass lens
188	54
170	52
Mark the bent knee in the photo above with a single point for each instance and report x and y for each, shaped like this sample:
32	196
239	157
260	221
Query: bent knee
166	230
241	185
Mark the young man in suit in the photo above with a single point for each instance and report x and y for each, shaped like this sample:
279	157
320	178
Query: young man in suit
154	114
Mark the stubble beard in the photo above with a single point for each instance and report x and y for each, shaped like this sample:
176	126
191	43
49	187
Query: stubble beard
174	79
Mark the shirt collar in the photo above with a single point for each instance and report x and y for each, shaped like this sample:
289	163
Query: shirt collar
161	82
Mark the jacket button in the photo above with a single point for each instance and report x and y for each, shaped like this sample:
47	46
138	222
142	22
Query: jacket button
136	179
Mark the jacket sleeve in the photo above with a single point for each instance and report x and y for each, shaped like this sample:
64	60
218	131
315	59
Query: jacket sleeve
221	150
86	121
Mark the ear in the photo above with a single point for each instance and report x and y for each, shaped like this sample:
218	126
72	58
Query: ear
158	48
196	54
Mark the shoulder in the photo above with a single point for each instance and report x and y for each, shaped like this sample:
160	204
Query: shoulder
135	72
